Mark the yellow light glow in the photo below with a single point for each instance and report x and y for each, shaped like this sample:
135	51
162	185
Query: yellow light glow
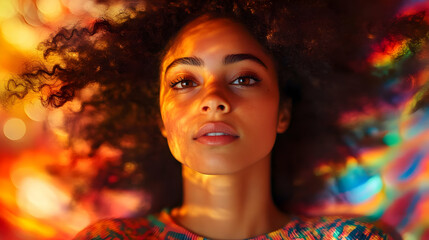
373	156
35	111
323	169
130	167
51	9
108	152
14	129
62	136
114	10
36	228
41	199
7	197
6	10
19	34
21	170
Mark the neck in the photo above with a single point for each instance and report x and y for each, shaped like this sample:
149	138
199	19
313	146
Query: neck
232	206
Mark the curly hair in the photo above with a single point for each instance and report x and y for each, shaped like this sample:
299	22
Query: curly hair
320	48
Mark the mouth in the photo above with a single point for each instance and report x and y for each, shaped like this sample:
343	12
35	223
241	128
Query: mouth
216	133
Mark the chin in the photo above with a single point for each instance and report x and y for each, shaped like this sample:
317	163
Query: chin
219	165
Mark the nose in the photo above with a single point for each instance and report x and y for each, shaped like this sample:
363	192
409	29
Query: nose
215	101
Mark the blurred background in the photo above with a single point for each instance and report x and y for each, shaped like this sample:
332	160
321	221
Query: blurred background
388	181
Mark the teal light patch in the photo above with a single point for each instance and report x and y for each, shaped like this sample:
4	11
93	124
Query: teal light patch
392	138
365	191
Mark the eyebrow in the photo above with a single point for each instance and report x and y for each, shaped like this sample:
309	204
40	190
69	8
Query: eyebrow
233	58
194	61
229	59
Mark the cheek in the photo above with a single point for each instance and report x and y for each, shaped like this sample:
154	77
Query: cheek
176	126
173	134
263	108
261	121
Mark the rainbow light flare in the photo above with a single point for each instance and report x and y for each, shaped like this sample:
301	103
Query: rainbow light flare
390	181
384	54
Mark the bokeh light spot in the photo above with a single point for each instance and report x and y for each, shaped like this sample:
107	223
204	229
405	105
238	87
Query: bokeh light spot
19	34
6	10
40	199
49	8
365	191
14	129
129	167
35	111
392	138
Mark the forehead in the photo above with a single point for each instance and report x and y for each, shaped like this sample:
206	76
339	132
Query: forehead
211	39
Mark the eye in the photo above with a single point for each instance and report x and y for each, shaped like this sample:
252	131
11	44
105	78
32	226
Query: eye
245	81
182	83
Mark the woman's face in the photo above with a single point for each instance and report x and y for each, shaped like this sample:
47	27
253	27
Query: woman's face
219	98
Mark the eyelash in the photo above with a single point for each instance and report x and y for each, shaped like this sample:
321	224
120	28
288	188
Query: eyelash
182	79
247	76
178	80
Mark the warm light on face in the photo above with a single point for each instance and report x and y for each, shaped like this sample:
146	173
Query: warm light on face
14	129
212	56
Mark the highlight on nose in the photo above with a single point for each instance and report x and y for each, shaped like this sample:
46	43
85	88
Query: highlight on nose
214	103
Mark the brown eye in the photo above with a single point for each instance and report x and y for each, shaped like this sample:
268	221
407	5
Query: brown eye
245	81
183	83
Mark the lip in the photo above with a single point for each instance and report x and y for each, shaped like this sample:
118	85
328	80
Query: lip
218	127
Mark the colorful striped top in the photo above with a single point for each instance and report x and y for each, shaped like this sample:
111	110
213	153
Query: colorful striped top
162	226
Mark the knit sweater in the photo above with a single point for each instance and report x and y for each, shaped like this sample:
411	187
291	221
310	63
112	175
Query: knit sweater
162	226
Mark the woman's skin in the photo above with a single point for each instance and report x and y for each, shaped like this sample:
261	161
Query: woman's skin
216	77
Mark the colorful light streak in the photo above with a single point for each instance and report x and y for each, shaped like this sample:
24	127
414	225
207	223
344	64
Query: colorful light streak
385	53
396	168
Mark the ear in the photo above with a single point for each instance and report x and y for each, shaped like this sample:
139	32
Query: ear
161	126
284	115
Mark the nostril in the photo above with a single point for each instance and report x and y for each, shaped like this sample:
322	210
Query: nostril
220	107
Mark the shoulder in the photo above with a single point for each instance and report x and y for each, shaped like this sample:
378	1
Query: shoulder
334	227
128	228
155	226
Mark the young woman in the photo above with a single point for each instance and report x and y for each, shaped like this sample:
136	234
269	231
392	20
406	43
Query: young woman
222	75
221	110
